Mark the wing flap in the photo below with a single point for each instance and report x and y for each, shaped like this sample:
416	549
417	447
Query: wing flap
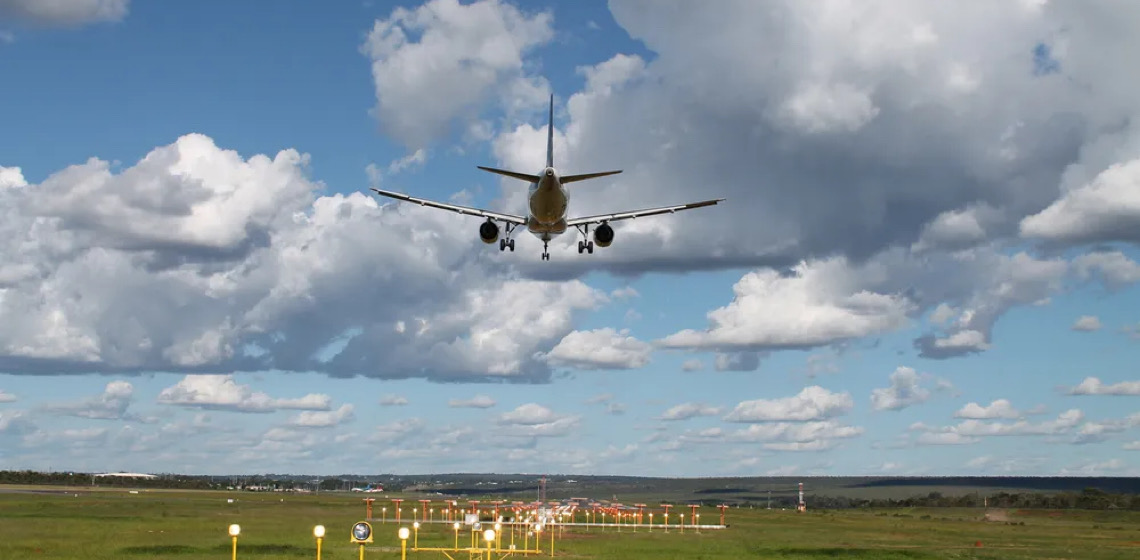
641	213
465	210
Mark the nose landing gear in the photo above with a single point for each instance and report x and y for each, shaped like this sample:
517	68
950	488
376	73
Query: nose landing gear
545	250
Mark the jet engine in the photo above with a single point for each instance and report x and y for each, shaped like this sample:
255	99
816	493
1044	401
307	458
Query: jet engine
489	232
603	235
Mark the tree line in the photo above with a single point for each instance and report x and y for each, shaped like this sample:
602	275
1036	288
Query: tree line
1089	498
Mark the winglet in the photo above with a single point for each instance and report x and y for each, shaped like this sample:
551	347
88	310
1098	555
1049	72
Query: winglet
550	136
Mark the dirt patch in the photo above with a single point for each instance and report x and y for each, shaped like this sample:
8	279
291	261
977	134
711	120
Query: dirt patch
998	515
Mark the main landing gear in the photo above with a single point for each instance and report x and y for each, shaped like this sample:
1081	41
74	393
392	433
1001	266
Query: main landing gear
587	245
506	242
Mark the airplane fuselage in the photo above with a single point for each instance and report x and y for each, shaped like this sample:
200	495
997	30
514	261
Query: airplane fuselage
548	201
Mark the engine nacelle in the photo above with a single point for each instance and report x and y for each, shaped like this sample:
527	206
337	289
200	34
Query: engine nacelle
489	232
603	235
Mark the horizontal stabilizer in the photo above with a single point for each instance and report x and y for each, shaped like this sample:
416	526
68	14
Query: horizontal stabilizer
523	176
584	176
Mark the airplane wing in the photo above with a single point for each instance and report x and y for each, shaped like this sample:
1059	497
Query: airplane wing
509	218
640	213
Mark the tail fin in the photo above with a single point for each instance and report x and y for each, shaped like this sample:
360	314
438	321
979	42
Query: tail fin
550	136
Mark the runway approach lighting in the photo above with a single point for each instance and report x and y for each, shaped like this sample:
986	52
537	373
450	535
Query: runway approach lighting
489	536
362	534
319	532
235	530
403	533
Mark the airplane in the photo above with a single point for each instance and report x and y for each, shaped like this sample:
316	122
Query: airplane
548	202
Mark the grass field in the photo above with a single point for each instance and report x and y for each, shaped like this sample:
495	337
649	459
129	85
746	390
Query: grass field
48	523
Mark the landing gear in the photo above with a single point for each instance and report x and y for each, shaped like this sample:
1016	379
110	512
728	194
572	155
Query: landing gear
587	245
506	242
545	252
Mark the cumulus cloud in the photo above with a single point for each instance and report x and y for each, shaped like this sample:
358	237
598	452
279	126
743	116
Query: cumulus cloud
737	361
15	422
323	419
533	420
1094	386
903	391
1114	268
819	304
970	431
6	397
64	12
111	405
197	260
221	392
685	411
478	401
812	403
605	348
465	55
393	400
1086	323
1107	208
692	365
1000	408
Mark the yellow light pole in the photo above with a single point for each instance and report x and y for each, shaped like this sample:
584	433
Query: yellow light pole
403	533
235	530
552	543
498	535
319	532
456	526
431	515
682	523
489	536
666	522
697	523
537	537
384	511
650	522
416	541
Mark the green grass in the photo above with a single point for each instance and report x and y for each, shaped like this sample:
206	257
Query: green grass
113	524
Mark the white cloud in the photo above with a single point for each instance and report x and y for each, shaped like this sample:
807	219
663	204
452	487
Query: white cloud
604	348
969	431
465	55
904	391
7	397
1094	386
600	398
196	259
323	419
221	392
15	422
1087	323
1000	408
65	12
478	401
692	365
11	177
821	304
415	159
787	432
1107	208
685	411
812	403
737	361
1113	267
529	414
393	400
111	405
1132	446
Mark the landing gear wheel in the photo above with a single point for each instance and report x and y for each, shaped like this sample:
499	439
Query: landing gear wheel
589	247
511	245
502	244
581	247
545	250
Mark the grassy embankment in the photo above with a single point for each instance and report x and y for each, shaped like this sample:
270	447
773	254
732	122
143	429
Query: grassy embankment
114	524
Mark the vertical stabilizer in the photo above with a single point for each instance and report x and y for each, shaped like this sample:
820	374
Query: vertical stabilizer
550	136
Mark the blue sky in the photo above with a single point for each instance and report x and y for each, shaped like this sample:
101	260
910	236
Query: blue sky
899	241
